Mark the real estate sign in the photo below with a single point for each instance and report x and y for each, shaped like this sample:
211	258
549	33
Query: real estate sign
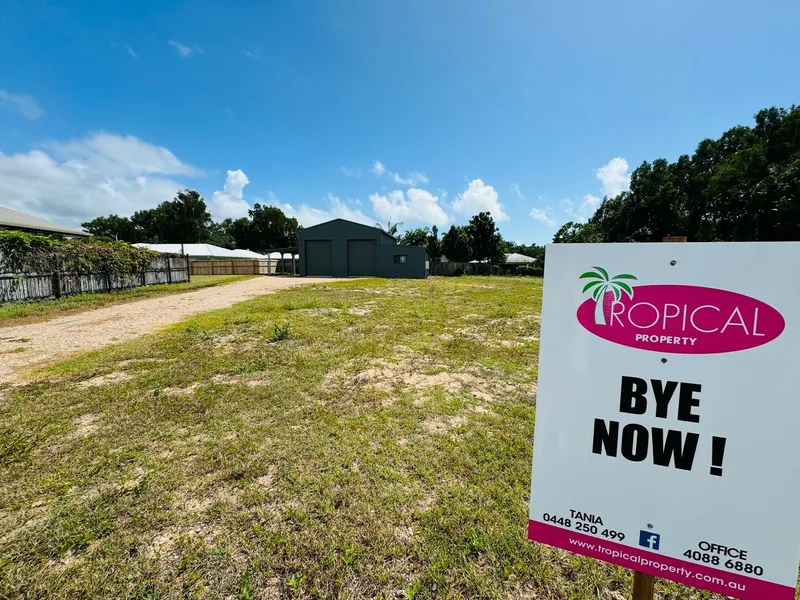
668	412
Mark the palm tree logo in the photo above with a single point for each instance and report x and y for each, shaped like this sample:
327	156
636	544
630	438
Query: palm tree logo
605	289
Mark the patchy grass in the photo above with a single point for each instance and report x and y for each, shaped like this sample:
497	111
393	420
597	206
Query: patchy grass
382	450
20	313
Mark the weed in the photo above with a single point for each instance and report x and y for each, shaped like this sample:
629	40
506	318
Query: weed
281	333
295	582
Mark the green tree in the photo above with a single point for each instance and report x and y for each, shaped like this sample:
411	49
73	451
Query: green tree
217	234
434	245
391	228
486	242
240	232
576	233
186	218
744	186
113	227
456	244
415	237
182	220
150	226
271	228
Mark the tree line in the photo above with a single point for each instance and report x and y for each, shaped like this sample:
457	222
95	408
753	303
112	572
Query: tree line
744	186
186	220
479	240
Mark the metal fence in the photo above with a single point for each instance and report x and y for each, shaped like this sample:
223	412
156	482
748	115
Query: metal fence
19	287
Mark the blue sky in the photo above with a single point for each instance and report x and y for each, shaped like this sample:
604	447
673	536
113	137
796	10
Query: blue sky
423	111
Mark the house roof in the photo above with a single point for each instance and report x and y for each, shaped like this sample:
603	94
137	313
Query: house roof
518	259
202	250
16	220
511	259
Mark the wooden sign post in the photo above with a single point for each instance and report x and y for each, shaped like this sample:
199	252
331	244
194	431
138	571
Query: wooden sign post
644	585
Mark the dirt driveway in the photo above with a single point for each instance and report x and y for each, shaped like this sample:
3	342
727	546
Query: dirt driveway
26	345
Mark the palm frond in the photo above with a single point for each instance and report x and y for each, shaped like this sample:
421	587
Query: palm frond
590	285
591	275
624	276
625	288
603	271
599	291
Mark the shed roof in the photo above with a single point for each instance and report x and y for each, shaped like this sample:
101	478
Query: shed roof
202	250
351	222
14	219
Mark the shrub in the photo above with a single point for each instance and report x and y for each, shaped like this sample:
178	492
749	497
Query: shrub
282	332
458	272
530	271
26	253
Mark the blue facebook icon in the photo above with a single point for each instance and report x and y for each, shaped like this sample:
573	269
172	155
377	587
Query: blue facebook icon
650	540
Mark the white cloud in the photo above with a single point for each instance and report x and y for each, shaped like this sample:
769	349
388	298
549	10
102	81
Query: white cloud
230	203
22	103
79	180
614	176
479	197
185	51
116	155
581	212
414	178
131	51
516	191
337	209
414	206
378	168
545	216
354	172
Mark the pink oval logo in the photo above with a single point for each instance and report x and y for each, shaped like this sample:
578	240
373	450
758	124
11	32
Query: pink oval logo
680	319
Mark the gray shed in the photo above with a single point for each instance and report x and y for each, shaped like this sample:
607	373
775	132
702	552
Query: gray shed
341	248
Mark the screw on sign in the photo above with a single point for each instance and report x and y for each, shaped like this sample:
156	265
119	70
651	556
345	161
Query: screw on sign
666	413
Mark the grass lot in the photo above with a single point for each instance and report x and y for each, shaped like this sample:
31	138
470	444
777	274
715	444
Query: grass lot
376	445
19	313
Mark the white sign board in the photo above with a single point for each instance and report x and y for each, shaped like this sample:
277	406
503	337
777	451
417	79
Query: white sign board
668	412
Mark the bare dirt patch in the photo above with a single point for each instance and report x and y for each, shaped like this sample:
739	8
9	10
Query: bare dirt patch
181	391
405	372
102	380
318	312
363	310
85	425
439	425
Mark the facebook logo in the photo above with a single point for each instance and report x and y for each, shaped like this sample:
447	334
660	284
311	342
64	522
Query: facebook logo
648	539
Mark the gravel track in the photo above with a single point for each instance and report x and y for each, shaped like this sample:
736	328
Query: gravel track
23	346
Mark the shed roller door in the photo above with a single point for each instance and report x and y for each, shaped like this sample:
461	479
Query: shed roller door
318	258
361	258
